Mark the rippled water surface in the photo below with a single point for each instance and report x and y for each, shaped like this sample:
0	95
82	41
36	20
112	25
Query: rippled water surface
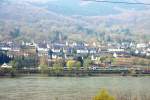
68	88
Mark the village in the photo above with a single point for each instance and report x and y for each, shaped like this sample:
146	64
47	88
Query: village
74	55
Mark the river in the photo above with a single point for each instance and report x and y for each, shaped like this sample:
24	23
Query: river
68	88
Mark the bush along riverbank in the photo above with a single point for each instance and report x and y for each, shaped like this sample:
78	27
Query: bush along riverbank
12	72
73	69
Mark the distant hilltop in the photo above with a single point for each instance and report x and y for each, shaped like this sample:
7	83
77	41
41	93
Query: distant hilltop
50	20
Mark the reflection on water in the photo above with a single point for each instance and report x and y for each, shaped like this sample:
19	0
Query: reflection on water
68	88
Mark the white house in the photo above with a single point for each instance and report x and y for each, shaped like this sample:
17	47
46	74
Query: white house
94	44
67	43
116	50
56	50
74	44
86	44
136	52
148	49
6	66
115	55
141	45
6	48
147	54
94	58
82	51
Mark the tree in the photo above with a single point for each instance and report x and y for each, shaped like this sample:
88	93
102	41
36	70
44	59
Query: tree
142	62
74	51
102	59
71	64
50	53
43	61
87	63
78	65
43	68
80	59
43	65
18	62
62	53
4	58
112	60
57	68
21	62
103	95
15	33
13	63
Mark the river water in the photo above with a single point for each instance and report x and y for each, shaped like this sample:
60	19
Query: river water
68	88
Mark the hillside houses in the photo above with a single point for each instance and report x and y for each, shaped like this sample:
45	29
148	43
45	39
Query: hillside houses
69	49
49	53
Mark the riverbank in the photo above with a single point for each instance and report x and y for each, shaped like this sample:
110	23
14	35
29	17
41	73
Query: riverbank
71	75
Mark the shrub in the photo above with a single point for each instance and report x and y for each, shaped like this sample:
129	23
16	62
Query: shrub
43	68
57	68
103	95
71	64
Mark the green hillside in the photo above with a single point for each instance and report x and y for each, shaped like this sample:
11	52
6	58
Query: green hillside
27	20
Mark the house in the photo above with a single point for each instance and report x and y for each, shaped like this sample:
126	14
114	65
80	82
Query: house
95	57
28	51
29	44
143	52
141	45
115	50
82	51
5	47
115	55
6	66
67	43
136	52
148	49
74	44
94	44
92	50
121	55
147	54
69	50
132	44
42	49
57	51
86	44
